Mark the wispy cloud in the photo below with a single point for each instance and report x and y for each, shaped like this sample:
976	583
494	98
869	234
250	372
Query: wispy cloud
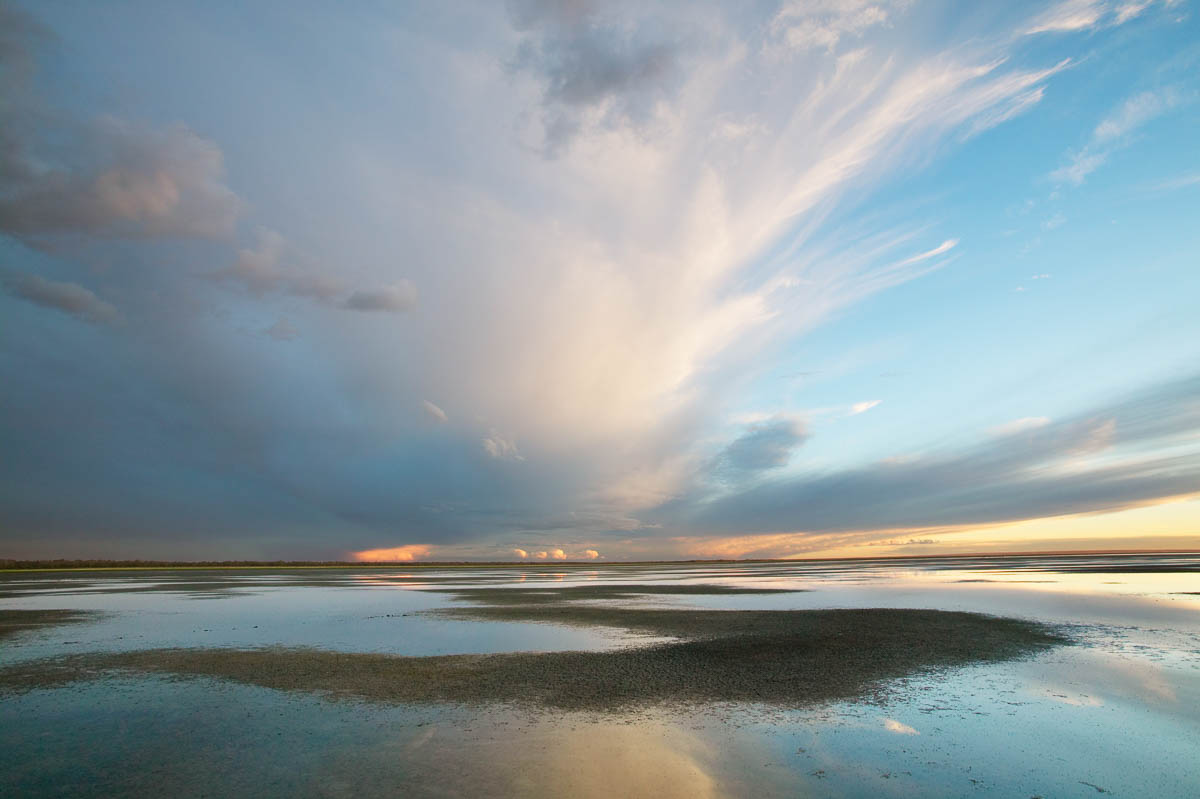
1021	425
1080	15
863	407
1113	133
434	412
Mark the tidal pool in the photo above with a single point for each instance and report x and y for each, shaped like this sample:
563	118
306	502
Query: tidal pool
333	682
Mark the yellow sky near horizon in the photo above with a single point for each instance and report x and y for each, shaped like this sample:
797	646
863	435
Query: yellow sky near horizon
1166	525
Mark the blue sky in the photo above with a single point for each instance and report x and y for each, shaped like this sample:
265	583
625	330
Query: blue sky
616	280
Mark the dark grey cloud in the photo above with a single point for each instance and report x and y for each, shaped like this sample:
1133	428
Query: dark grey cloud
1117	456
767	445
70	298
595	68
401	296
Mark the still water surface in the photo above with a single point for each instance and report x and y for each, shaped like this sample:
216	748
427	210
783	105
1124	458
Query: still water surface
1118	713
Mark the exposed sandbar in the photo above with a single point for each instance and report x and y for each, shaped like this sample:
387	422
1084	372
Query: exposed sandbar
785	658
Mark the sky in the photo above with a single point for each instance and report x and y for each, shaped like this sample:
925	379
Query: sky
562	279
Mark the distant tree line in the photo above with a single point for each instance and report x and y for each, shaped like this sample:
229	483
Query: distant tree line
11	564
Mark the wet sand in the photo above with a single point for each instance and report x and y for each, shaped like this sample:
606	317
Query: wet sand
19	621
784	658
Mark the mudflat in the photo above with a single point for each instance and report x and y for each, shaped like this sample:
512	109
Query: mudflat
786	658
19	621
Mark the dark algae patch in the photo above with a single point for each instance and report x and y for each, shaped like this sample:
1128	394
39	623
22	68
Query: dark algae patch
785	658
19	621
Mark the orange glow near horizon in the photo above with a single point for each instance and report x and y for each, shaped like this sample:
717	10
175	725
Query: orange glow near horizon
402	554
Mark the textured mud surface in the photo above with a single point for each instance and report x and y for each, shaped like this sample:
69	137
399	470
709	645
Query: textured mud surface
788	658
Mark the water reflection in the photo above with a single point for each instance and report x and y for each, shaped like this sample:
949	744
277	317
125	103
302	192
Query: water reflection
1120	711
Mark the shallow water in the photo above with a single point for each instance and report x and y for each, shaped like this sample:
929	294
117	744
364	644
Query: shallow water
1119	712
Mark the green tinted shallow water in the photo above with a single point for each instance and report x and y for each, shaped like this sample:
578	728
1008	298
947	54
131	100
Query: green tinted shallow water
1118	711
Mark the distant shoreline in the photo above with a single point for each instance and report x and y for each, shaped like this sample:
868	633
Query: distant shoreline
14	565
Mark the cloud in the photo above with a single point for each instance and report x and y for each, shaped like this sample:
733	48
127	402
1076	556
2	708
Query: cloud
501	447
260	270
767	445
1072	15
1021	425
70	298
1180	182
541	555
132	182
520	553
1082	164
591	554
1137	451
108	178
434	412
1135	112
863	407
596	70
604	308
1079	15
1113	133
402	554
822	24
558	554
401	296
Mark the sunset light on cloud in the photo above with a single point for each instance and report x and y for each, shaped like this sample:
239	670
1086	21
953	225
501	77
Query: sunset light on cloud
598	281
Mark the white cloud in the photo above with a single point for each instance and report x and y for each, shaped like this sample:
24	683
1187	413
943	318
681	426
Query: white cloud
558	554
1072	15
1135	112
1021	425
891	725
502	447
863	407
520	553
822	24
1180	182
434	412
1078	15
1082	164
1114	131
591	554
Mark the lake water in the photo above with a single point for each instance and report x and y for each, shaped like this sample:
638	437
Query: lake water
1116	713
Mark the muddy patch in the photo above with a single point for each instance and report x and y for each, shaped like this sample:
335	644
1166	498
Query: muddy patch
13	622
783	658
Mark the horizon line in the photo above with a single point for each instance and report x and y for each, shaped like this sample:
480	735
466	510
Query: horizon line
64	564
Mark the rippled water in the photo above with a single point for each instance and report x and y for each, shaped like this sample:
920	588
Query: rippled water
1117	713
